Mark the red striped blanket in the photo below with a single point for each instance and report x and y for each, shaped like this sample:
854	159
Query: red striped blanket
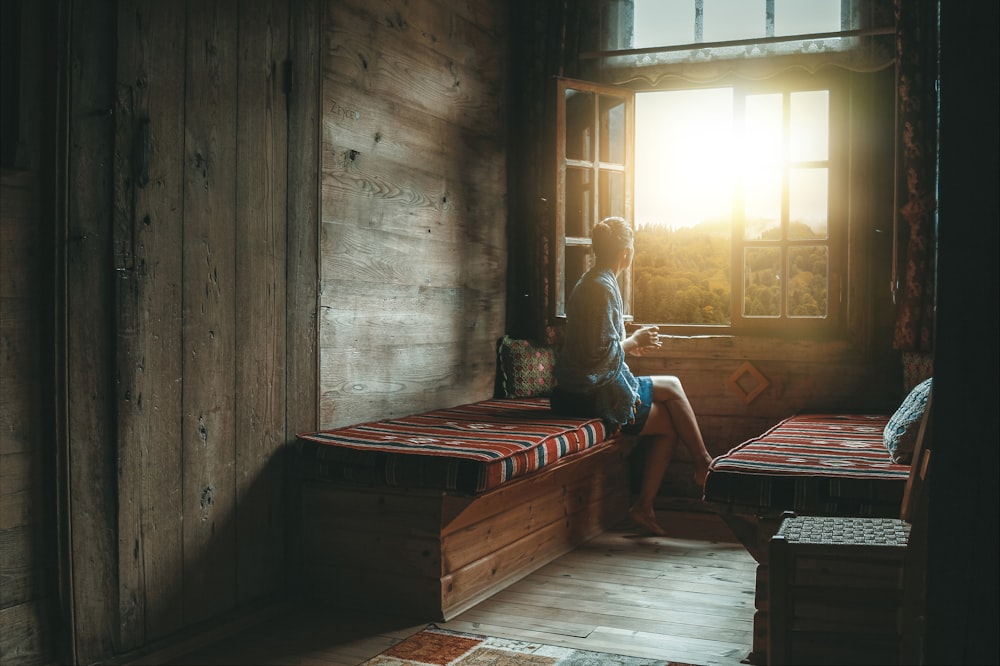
826	464
469	448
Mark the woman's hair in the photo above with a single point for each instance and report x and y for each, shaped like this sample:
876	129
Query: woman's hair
610	236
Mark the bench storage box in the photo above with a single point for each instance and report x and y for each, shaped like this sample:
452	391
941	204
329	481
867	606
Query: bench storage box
429	514
836	590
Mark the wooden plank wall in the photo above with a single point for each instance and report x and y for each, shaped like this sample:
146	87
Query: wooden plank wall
188	370
26	565
28	569
413	237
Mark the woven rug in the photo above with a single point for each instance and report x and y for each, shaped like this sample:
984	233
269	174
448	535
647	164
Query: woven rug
439	647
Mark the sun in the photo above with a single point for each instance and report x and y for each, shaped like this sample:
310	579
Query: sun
685	156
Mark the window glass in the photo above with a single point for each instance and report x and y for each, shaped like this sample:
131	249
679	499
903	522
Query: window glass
762	282
579	125
699	183
613	130
663	23
803	17
807	203
762	129
808	268
761	203
808	125
733	19
579	199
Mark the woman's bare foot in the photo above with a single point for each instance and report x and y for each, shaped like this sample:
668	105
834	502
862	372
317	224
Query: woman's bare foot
701	471
647	520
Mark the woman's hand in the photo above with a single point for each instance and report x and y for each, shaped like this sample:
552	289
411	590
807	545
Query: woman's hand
645	339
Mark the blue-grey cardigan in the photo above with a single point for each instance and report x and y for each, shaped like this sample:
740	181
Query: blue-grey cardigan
592	359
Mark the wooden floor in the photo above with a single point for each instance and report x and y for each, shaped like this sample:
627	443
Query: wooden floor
685	597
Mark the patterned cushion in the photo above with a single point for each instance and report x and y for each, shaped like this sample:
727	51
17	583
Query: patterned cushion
812	464
469	448
526	368
900	434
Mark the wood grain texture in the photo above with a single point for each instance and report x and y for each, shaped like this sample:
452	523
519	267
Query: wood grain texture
436	554
685	597
89	349
209	288
152	61
260	290
413	243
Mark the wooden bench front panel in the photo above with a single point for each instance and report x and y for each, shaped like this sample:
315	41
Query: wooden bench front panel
432	555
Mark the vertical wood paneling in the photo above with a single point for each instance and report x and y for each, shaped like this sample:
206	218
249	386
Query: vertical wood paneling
25	569
89	334
209	310
151	66
301	318
260	292
303	217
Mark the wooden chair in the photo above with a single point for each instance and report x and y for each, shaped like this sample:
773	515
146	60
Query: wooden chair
850	590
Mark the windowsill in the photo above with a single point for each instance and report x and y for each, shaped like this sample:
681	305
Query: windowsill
756	348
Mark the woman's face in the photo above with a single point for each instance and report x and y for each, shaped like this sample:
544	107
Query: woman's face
626	257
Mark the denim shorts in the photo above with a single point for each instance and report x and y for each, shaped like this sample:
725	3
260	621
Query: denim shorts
582	406
641	410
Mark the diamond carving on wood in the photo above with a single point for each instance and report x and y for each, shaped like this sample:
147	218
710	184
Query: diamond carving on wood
747	382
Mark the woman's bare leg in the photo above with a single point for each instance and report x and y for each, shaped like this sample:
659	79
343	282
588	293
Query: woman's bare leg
661	450
668	391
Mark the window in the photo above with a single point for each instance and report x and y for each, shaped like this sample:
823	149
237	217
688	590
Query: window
737	174
674	22
595	128
733	207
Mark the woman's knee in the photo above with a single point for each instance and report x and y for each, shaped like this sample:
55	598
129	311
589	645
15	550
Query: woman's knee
667	387
659	423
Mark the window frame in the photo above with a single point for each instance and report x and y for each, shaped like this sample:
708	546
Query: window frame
838	221
833	325
561	240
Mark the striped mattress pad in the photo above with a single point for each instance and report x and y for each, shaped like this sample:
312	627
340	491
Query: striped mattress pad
469	448
817	464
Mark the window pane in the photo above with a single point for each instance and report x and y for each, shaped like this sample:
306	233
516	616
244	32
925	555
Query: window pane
734	19
579	201
684	207
762	204
683	157
762	129
579	125
612	194
808	267
762	282
810	120
663	23
807	203
613	130
795	17
682	276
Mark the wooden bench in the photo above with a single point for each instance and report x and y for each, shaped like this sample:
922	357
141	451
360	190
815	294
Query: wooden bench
848	590
370	538
809	464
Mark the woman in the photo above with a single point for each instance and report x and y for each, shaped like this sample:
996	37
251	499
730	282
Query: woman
593	379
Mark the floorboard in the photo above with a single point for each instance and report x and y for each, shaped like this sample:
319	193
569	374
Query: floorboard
685	597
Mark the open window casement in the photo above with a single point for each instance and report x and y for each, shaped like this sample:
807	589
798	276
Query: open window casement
594	156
